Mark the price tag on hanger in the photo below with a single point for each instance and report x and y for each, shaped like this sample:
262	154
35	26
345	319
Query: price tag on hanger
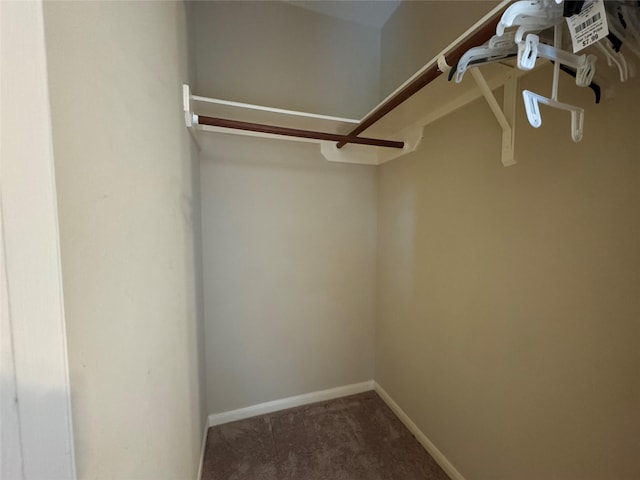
588	26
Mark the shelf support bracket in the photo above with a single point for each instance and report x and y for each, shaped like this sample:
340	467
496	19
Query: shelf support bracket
190	119
506	115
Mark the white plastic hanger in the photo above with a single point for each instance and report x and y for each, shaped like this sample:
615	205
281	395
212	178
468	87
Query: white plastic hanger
533	27
545	13
531	49
531	105
483	54
613	58
532	100
506	40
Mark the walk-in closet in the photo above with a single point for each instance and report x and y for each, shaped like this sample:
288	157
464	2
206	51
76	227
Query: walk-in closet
321	240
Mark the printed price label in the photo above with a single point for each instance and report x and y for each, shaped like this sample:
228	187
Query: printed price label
588	26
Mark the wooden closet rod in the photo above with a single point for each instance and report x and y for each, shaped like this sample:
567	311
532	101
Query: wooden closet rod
294	132
425	78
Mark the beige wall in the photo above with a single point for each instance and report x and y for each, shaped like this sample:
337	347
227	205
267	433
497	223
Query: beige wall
419	30
128	204
276	54
289	239
508	298
289	270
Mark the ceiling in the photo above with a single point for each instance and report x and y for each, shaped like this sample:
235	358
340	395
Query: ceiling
373	13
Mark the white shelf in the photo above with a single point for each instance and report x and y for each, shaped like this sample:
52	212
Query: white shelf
404	123
213	107
439	98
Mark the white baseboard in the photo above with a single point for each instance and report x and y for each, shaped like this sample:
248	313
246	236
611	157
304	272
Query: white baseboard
290	402
202	450
428	445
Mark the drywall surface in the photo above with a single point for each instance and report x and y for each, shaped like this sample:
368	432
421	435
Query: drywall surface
509	298
279	55
128	205
419	30
289	270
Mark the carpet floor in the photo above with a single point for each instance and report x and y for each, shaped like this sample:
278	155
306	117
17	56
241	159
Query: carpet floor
350	438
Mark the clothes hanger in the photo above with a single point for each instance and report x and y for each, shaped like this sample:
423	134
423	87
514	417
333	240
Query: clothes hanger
615	41
481	54
531	49
532	108
597	91
537	12
523	29
506	40
613	58
594	86
498	48
572	7
533	100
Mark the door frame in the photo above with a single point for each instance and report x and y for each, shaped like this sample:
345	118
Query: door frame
39	404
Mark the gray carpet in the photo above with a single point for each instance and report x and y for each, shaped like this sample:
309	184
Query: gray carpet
350	438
